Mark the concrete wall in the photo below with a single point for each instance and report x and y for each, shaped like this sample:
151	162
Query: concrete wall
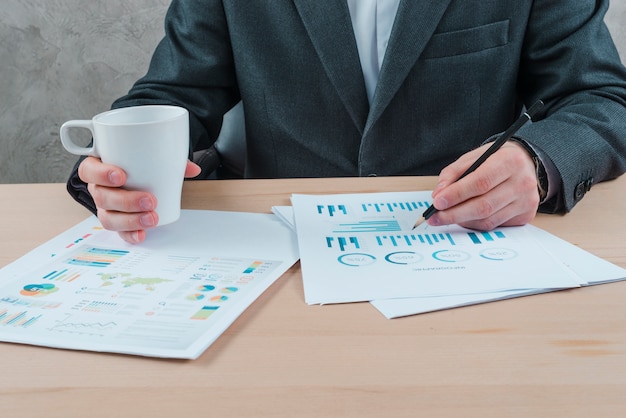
65	59
69	59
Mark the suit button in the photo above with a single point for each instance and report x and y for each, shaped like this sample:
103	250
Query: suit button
582	188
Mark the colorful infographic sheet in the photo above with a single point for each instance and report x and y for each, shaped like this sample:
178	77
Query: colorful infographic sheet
169	297
362	247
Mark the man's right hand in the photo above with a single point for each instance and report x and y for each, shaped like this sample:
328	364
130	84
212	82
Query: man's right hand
130	213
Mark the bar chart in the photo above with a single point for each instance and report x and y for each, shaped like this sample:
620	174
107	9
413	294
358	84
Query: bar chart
97	257
17	319
411	240
391	207
383	225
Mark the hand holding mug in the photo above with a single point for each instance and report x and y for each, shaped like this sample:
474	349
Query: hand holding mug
150	144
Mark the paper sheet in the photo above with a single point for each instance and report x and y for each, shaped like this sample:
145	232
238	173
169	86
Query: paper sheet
361	247
171	296
588	268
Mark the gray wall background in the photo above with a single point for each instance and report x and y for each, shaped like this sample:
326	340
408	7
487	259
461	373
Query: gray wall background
69	59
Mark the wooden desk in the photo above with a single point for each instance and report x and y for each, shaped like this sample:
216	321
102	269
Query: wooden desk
555	355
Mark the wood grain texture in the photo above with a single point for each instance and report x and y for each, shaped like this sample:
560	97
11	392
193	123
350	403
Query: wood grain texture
561	354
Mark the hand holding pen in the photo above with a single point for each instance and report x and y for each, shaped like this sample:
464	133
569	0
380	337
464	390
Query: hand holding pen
496	145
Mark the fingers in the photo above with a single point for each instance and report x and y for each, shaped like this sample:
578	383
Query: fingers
126	211
502	191
500	207
93	171
138	210
133	237
192	170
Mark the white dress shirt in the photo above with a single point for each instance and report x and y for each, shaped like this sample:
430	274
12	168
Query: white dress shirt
372	21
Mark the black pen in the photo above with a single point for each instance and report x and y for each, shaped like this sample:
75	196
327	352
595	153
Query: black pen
525	117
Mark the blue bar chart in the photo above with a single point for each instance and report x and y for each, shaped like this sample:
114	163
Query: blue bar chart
414	239
485	237
331	210
391	207
343	243
385	225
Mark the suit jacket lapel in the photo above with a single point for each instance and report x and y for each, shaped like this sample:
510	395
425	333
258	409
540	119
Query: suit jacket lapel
330	29
413	27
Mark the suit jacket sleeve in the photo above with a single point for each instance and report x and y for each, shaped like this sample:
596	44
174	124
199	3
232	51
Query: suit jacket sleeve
571	63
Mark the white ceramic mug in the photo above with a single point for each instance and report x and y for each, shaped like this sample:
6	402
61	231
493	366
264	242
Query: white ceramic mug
150	143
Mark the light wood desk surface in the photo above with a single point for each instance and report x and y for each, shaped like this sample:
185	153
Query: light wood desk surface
561	354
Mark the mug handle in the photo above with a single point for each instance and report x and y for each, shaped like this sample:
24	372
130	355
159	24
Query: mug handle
70	145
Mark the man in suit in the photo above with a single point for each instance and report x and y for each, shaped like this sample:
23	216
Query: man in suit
391	87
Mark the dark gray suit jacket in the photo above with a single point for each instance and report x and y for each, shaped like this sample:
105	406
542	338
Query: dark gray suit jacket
455	73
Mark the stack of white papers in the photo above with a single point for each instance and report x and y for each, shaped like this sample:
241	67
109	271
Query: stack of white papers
362	247
170	296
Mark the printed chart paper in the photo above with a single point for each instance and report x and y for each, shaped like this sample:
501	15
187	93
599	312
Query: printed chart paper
171	296
591	270
361	247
